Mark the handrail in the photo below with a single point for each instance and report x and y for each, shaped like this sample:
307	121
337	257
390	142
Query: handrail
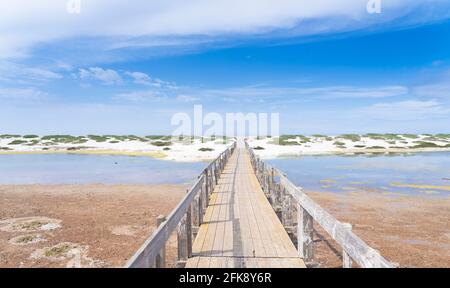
281	191
189	211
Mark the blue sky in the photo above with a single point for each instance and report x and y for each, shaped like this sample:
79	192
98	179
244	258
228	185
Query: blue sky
326	67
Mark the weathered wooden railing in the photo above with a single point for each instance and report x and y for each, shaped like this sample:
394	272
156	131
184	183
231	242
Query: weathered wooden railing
297	212
187	216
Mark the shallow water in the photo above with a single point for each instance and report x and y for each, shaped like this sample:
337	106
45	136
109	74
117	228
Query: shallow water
396	174
88	169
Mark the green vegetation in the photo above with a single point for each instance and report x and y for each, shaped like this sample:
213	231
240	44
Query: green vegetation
154	137
423	144
5	149
340	144
205	149
304	139
225	140
376	147
410	136
285	140
61	138
327	138
99	139
351	137
30	136
77	148
17	142
33	142
376	136
9	136
58	250
161	143
442	136
258	148
114	142
360	146
166	149
32	225
26	239
136	138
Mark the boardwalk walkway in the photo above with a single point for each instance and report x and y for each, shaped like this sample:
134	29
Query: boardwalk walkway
230	210
240	228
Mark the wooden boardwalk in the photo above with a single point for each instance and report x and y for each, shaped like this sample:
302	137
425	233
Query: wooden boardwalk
240	228
230	210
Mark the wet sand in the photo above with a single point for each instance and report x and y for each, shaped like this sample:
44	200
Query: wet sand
103	225
100	225
411	231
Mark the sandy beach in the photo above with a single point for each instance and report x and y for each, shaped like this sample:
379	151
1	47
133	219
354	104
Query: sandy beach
103	225
410	231
80	225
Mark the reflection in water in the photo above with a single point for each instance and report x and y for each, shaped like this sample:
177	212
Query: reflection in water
394	174
86	169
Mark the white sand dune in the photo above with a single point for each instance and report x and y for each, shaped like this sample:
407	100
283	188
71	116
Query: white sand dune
207	149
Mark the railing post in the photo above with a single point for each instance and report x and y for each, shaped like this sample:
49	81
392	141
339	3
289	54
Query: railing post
346	260
195	207
184	235
206	186
160	261
305	234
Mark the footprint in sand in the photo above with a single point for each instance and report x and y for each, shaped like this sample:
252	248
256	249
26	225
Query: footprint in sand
29	224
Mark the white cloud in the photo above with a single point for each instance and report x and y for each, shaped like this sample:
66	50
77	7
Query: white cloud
140	78
24	24
106	76
441	90
10	71
292	94
145	79
21	94
187	98
407	110
141	96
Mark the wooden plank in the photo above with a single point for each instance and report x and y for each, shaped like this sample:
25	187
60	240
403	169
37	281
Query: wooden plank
245	229
147	253
228	236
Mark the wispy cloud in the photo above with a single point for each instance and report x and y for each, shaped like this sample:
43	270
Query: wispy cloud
13	72
144	79
106	76
22	94
439	87
187	98
141	96
408	110
140	78
27	23
441	90
292	94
